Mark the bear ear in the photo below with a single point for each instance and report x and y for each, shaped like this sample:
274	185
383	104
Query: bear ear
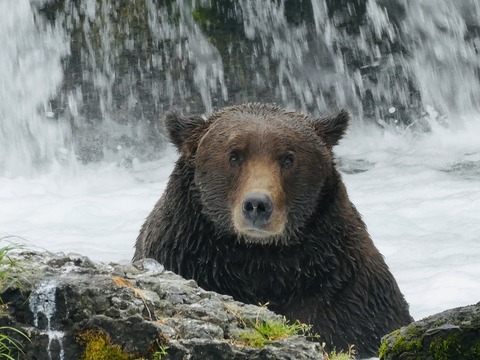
331	128
181	129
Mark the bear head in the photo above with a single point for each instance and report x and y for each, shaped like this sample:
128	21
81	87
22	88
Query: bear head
258	170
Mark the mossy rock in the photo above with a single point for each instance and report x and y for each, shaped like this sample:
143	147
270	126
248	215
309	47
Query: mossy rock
98	346
450	335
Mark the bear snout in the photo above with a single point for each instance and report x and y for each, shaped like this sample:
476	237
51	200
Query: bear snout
257	209
259	216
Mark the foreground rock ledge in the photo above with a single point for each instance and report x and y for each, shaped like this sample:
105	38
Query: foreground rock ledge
450	335
54	299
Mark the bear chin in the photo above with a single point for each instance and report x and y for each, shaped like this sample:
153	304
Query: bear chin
257	239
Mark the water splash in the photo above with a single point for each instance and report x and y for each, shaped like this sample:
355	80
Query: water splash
126	63
43	306
31	138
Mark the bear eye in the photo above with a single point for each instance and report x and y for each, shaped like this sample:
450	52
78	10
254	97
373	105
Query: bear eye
235	158
287	161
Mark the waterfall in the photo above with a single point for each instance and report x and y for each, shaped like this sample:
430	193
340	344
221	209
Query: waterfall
193	47
30	75
42	304
89	80
445	59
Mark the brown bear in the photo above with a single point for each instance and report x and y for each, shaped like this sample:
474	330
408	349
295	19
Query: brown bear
255	208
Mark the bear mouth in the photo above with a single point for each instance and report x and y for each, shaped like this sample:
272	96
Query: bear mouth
255	232
259	232
254	235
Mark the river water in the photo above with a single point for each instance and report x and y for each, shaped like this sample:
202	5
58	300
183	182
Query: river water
417	184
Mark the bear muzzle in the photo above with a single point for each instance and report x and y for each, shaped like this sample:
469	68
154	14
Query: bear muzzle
259	210
257	217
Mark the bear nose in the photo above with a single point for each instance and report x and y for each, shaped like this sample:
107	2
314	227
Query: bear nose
257	209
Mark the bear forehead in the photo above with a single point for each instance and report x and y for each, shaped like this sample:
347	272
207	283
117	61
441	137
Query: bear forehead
261	125
260	115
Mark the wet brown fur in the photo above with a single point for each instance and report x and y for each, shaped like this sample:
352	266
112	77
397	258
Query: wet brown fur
315	261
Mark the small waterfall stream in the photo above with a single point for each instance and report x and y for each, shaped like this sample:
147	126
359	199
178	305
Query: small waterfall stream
43	306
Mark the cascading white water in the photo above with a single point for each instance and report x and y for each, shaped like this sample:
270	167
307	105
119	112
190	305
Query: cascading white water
445	67
42	303
284	45
30	75
423	63
192	47
436	61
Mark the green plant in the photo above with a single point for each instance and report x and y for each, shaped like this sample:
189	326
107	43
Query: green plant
6	264
8	344
334	355
157	355
267	331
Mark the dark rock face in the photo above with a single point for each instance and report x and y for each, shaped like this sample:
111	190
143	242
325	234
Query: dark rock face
140	308
452	334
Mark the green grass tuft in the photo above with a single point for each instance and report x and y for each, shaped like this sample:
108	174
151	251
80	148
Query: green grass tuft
9	345
341	355
264	332
157	355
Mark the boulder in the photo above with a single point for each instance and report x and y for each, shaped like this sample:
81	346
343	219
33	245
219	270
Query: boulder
70	307
450	335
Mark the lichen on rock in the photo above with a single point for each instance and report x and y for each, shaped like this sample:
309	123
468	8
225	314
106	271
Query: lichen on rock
450	335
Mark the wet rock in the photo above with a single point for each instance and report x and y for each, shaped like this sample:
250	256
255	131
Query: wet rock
452	334
64	302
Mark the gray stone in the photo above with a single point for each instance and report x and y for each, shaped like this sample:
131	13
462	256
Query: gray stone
450	335
54	299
